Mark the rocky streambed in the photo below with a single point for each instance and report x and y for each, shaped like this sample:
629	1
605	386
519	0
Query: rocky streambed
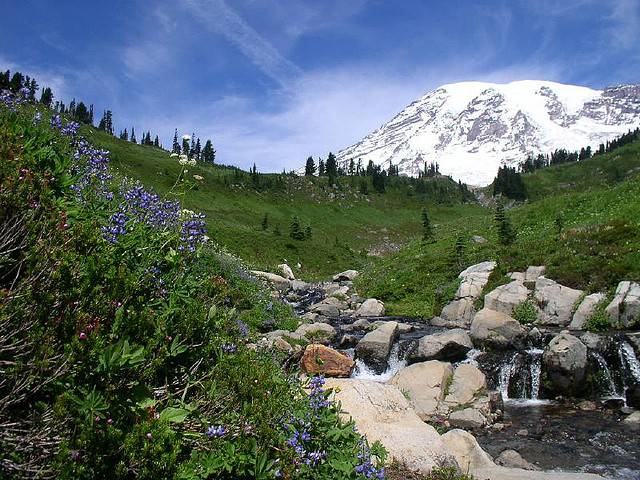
542	396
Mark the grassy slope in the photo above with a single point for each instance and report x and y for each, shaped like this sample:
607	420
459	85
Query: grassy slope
599	204
342	228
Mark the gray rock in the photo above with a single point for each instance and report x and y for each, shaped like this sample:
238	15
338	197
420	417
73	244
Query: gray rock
512	459
625	307
347	275
555	302
457	313
533	273
375	346
449	345
281	283
517	276
506	297
585	310
370	308
286	271
299	286
599	343
565	362
467	418
329	307
496	330
317	332
474	278
478	239
633	420
467	384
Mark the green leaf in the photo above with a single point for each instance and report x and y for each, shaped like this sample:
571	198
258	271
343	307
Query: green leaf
173	415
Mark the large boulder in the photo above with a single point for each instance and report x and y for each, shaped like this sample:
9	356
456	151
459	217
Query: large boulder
280	282
565	363
370	308
374	348
382	413
424	385
495	329
585	310
286	271
555	301
317	331
506	297
474	279
625	307
468	418
329	307
346	276
467	385
534	272
321	360
448	345
457	313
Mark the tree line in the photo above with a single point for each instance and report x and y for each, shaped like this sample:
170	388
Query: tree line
83	113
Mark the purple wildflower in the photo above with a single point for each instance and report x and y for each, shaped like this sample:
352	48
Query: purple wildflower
243	328
229	348
56	122
216	431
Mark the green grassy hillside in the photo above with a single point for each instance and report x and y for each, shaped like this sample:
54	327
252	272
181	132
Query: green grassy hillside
583	223
345	223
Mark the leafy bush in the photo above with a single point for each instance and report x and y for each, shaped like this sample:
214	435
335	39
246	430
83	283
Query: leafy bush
124	335
599	321
525	312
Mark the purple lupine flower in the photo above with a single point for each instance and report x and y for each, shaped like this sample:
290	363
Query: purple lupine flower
70	129
229	348
243	328
56	122
37	118
116	227
216	431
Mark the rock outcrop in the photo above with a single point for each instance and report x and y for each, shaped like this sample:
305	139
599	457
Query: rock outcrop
424	385
382	413
346	276
322	360
286	271
555	301
374	348
496	329
448	345
585	310
370	308
506	297
625	307
565	363
460	311
317	332
279	282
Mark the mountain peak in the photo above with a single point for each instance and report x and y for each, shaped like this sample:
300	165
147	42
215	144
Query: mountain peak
473	128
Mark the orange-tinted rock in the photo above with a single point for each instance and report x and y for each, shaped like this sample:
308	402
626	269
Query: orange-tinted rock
321	360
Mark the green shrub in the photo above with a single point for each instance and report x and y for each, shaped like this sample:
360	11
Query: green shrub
525	312
599	321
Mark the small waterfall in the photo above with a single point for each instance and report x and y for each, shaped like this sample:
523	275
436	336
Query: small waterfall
629	360
472	357
535	369
363	372
607	383
506	371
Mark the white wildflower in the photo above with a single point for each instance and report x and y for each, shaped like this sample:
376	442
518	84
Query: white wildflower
192	162
174	155
198	177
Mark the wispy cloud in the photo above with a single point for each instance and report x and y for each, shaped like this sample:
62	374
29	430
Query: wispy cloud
626	24
217	16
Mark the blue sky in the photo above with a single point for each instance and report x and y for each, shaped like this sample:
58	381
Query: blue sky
272	82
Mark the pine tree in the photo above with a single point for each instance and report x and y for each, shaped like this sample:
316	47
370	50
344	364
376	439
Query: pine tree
265	222
15	84
427	229
176	146
133	135
156	142
307	232
295	231
91	114
147	139
198	150
46	97
331	168
4	79
310	167
109	122
506	235
208	153
321	168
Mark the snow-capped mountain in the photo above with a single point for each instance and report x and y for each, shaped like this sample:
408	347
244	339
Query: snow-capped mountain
472	128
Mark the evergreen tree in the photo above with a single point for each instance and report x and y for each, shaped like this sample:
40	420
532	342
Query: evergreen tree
364	187
109	122
265	222
33	87
16	82
321	168
198	149
125	135
46	97
156	142
310	167
295	231
208	153
307	232
5	79
147	139
185	145
133	135
91	114
176	146
352	167
509	183
506	235
427	229
81	113
331	168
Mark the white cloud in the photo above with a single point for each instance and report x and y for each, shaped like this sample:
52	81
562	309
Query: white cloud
217	16
45	77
